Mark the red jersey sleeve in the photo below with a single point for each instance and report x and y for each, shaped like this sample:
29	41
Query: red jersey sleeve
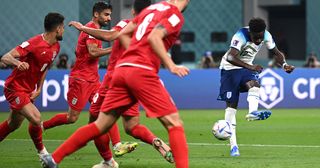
92	40
25	48
121	25
172	23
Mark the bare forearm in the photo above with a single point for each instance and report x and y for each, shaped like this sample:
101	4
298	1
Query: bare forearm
8	59
279	56
99	52
105	35
159	48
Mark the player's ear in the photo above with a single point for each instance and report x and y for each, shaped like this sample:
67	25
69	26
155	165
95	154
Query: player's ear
95	14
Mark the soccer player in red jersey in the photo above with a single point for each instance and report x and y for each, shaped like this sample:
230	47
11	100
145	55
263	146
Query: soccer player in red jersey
134	129
135	79
24	84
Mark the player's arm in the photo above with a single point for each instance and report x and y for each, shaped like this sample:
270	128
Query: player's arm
280	59
37	92
10	59
95	51
126	34
232	58
105	35
156	42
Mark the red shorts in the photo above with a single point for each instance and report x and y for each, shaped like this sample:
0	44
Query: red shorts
130	85
96	103
17	100
80	92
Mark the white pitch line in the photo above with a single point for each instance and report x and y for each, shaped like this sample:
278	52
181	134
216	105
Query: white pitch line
202	144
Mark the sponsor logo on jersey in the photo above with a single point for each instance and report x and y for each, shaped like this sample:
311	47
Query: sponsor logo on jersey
271	90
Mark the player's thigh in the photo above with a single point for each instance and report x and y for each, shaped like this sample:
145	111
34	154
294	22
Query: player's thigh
230	81
149	90
17	100
31	112
79	93
249	79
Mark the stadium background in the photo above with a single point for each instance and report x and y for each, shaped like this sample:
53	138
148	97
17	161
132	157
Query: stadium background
209	24
290	138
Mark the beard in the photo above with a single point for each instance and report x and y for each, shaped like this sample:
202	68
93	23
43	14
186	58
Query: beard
102	23
59	38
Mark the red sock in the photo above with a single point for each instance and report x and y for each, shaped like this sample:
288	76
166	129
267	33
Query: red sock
76	141
114	134
102	144
4	130
35	133
143	133
179	147
57	120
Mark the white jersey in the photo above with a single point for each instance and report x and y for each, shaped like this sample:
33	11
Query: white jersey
247	49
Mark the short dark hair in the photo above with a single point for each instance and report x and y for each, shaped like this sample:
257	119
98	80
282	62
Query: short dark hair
139	5
100	6
257	25
52	20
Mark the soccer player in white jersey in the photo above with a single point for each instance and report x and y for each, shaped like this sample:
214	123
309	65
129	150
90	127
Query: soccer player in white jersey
239	74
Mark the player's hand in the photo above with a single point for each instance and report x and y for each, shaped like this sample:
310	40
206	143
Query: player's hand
22	66
76	25
179	70
34	95
257	68
288	68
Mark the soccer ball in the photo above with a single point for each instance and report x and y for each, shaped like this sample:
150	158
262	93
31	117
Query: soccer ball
222	130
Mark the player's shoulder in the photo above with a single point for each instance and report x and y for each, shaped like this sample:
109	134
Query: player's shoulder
91	25
243	34
267	35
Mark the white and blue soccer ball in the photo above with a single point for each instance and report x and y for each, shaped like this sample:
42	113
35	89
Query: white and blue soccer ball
222	130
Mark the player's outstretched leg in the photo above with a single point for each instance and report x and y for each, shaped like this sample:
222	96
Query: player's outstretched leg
253	100
230	115
258	115
163	149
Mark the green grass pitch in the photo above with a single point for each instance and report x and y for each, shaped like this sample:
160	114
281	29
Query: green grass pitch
288	139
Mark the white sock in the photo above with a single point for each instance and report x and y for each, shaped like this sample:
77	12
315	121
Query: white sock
253	99
116	145
43	151
230	115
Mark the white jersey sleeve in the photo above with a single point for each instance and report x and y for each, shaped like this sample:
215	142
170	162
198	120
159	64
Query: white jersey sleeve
268	40
238	41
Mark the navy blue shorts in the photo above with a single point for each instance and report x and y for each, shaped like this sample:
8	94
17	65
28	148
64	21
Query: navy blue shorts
232	83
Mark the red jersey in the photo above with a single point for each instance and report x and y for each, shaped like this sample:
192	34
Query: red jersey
39	55
117	48
140	53
86	68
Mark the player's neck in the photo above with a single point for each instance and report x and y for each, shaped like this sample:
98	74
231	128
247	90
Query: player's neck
50	38
96	23
179	5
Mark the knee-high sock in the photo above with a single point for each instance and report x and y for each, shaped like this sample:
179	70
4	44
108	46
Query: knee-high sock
59	119
143	133
114	134
4	130
102	144
179	147
253	99
76	141
230	115
35	133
